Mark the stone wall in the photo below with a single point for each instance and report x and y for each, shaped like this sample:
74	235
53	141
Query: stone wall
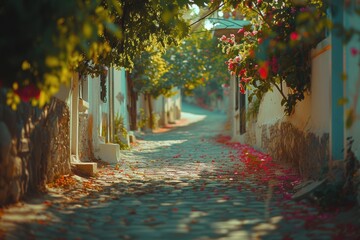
34	148
85	145
304	151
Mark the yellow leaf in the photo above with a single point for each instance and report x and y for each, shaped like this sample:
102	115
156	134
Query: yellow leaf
53	89
344	77
51	61
15	86
34	102
42	99
51	79
343	101
60	21
25	65
100	29
87	30
99	10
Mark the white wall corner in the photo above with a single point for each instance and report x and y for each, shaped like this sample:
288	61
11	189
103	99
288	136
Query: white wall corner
109	152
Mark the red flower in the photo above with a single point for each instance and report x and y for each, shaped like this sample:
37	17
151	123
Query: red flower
354	51
246	80
260	40
223	38
294	36
231	66
230	41
241	31
247	33
28	92
242	72
242	89
264	70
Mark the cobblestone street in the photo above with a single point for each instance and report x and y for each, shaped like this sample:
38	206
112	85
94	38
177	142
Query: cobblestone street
178	184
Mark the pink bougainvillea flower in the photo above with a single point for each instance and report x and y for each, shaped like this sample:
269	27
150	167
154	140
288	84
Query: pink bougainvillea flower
264	70
246	80
241	31
232	35
223	38
294	36
242	72
254	32
242	89
237	59
354	51
229	40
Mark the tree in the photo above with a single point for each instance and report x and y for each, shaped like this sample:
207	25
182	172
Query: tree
148	78
44	42
190	65
47	40
198	65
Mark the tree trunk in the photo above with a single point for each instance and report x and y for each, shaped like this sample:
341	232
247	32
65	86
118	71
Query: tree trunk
151	119
132	99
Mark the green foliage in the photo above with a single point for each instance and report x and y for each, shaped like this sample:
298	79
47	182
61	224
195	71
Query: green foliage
197	65
148	74
192	63
145	23
46	41
43	41
142	119
120	132
253	109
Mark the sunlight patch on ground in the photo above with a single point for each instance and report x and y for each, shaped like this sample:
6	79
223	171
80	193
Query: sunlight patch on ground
192	118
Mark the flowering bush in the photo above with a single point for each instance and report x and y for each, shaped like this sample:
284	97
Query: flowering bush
44	42
40	53
273	52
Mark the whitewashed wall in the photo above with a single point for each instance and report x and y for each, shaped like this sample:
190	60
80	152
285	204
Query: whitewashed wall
353	80
120	92
302	138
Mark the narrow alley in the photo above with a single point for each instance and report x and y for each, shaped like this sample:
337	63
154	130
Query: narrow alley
178	184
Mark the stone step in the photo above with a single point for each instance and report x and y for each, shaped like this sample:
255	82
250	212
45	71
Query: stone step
85	168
